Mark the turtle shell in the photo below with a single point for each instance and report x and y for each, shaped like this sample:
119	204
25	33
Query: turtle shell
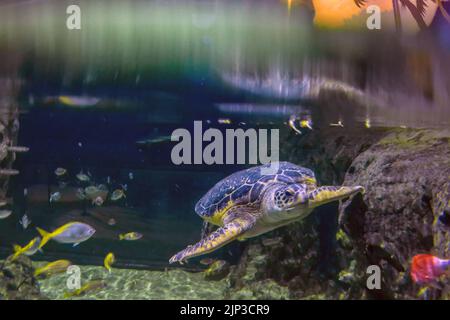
247	186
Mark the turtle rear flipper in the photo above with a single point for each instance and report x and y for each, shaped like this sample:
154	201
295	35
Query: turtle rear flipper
223	235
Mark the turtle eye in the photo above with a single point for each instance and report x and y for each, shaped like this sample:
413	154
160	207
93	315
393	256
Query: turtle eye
289	193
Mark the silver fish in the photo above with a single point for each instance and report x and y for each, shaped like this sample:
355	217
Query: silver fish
117	194
34	248
80	194
55	196
72	232
60	171
25	221
83	177
5	214
291	123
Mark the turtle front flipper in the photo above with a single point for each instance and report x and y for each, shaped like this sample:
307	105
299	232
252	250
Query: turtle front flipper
326	194
229	232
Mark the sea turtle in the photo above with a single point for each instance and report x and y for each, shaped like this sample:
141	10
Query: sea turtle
250	202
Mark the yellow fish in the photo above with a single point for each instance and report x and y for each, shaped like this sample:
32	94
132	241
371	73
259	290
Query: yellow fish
72	232
74	101
305	123
109	261
215	267
90	286
52	268
130	236
224	121
31	248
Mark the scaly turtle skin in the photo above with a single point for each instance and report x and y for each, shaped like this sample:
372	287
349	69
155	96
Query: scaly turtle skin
249	203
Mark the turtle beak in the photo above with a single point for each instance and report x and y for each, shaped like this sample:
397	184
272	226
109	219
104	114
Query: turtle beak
326	194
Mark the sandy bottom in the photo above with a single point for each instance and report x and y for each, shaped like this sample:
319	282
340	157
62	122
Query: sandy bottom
122	284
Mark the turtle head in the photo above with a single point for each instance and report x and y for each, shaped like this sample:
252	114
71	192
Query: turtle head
283	199
295	199
289	197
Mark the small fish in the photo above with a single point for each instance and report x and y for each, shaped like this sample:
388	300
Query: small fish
5	214
291	123
108	180
112	222
426	268
131	176
62	184
157	140
83	177
338	124
124	187
60	171
117	194
80	194
52	268
216	267
31	248
367	123
55	196
88	287
306	123
91	190
130	236
102	187
268	242
24	221
109	261
224	121
25	192
98	201
78	101
9	172
207	261
72	232
424	293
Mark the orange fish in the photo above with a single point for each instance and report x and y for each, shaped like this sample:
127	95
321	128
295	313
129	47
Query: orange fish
426	268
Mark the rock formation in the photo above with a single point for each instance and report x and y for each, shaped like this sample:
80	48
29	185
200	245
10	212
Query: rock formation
406	173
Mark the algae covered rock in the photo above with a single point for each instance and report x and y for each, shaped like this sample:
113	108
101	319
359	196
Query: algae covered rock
406	175
262	290
17	281
405	211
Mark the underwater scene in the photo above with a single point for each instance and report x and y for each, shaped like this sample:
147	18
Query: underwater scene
225	150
